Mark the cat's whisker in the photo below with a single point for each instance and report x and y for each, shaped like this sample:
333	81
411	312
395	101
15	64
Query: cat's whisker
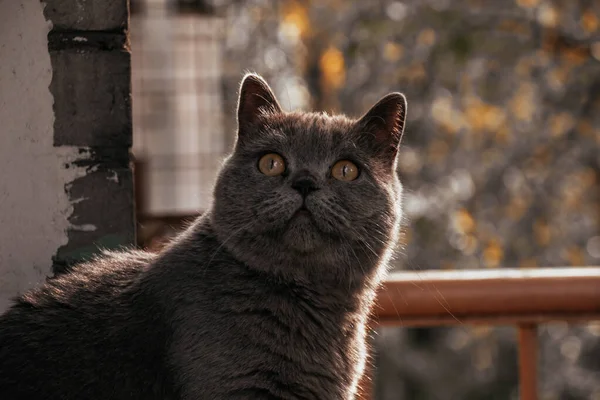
363	270
227	240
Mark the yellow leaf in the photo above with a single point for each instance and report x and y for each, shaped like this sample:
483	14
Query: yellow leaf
449	118
589	21
575	56
426	37
575	256
561	123
295	16
523	103
470	245
463	221
542	232
393	51
493	254
482	116
333	67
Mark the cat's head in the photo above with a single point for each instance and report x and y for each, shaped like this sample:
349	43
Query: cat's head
308	190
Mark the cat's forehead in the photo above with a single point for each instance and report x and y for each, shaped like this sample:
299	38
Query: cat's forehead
311	131
312	122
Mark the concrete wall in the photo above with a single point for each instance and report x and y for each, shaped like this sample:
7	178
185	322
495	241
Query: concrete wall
65	131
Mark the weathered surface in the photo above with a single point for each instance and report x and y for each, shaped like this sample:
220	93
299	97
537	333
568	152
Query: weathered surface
102	219
92	99
87	15
91	85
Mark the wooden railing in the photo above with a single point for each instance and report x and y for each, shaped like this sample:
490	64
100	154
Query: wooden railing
524	298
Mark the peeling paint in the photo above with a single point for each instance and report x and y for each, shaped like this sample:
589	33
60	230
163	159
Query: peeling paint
114	177
79	200
84	228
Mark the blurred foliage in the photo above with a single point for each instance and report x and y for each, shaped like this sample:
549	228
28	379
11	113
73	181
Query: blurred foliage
501	156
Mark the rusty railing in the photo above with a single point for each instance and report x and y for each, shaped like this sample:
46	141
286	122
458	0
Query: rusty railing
524	298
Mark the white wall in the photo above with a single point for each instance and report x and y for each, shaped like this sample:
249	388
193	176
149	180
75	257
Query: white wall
33	204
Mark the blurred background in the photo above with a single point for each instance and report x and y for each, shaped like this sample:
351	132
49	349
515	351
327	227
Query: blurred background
500	158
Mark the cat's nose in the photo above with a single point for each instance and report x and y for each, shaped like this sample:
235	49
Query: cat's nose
305	183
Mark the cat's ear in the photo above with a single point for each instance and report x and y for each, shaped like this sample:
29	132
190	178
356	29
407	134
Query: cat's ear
384	124
256	98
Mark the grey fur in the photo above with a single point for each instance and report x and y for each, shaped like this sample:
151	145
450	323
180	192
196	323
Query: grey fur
252	301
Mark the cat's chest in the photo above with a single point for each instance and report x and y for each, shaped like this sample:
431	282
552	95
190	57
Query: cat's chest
289	322
283	345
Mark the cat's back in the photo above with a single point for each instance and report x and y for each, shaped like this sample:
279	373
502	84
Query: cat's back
85	333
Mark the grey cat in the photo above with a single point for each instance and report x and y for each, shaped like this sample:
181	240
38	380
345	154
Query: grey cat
265	296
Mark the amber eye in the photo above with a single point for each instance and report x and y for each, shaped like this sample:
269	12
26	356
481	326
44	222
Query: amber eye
271	164
344	170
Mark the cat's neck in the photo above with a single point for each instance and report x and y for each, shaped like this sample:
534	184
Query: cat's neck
353	291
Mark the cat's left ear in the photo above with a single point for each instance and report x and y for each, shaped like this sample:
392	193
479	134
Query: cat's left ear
384	123
256	98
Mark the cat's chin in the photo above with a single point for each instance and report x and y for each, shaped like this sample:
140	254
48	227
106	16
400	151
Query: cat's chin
302	234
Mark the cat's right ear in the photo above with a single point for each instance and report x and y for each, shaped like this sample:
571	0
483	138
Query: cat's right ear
385	124
256	99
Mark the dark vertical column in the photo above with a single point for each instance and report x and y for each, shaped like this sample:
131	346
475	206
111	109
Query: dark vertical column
91	86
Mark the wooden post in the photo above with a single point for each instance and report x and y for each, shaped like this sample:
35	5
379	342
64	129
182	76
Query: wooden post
528	342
